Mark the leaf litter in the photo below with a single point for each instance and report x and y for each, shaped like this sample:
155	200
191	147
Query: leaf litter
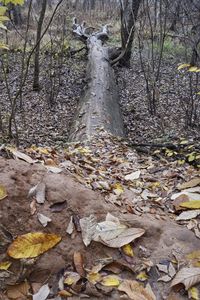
136	185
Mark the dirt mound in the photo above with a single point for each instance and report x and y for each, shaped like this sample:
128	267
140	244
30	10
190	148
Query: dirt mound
164	240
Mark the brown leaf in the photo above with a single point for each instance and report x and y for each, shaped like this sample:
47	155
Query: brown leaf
59	206
192	183
136	291
78	263
187	277
18	291
38	192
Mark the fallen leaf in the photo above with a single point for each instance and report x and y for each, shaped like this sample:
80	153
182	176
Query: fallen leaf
38	192
188	215
88	228
192	183
71	278
194	204
20	155
32	244
70	227
182	66
142	276
187	276
43	293
65	294
54	170
193	293
43	219
94	277
118	189
128	250
18	291
136	291
133	176
78	263
5	265
111	280
33	207
3	192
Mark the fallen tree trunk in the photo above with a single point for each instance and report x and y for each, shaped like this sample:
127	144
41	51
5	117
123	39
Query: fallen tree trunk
99	106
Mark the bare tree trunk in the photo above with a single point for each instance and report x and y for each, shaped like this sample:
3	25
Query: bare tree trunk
129	12
36	83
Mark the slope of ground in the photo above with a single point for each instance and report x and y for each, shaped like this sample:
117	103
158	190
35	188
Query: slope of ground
80	181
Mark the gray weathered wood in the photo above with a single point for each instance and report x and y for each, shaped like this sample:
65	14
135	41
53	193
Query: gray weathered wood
99	106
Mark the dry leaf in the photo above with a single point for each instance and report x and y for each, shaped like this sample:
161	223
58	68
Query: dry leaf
188	215
43	293
133	176
65	294
136	291
70	227
22	156
5	265
32	244
192	183
88	228
94	277
193	293
194	204
71	278
38	192
18	291
110	280
33	207
187	276
142	276
78	263
128	250
43	219
58	206
54	170
3	192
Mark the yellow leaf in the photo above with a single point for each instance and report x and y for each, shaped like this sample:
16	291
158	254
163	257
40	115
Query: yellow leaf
118	189
5	265
193	293
32	244
128	250
194	204
198	93
182	66
3	192
110	280
142	276
198	70
94	277
72	278
192	69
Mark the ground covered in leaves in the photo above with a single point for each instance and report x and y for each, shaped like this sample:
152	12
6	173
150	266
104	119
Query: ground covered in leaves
97	222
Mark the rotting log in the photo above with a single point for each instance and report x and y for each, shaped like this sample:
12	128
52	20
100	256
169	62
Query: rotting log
99	107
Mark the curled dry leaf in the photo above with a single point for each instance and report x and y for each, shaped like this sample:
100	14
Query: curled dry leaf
20	155
78	263
38	192
187	276
88	227
43	219
43	293
32	244
3	192
18	291
70	227
136	291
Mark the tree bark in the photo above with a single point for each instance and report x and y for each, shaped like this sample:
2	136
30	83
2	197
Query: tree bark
36	83
129	13
99	107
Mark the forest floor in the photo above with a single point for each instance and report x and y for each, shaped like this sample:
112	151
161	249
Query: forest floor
121	224
140	204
